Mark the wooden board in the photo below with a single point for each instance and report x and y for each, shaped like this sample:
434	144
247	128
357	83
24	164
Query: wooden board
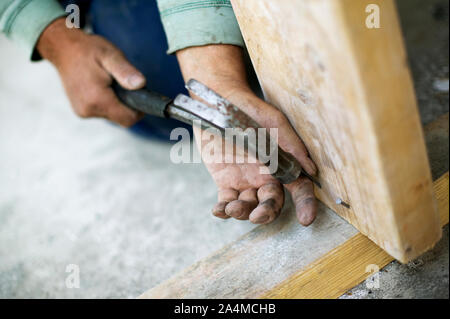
280	259
346	266
260	260
254	267
347	91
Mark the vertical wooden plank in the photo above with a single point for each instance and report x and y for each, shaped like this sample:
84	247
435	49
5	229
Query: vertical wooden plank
347	91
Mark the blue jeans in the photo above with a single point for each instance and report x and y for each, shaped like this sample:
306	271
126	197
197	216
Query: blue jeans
134	27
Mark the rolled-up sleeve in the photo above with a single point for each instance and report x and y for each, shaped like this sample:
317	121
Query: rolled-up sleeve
24	20
190	23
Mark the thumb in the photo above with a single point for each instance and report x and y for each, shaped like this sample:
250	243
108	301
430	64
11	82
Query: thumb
122	71
302	192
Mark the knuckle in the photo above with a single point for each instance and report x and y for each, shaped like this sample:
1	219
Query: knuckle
227	195
303	192
279	117
269	190
128	121
219	207
102	43
301	184
305	198
84	111
309	200
112	53
125	122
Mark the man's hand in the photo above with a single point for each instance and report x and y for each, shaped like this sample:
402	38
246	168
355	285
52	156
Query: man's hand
87	64
243	192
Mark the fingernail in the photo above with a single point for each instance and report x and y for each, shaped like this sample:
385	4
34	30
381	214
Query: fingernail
306	211
311	168
136	80
262	219
306	219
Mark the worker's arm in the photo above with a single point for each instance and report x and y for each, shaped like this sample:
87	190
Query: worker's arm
207	41
86	63
244	193
24	20
190	23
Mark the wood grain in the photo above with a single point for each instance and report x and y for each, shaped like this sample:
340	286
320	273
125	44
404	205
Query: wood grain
259	260
347	91
281	260
345	266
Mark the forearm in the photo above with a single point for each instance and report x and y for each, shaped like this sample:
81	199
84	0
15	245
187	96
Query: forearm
23	21
222	68
189	23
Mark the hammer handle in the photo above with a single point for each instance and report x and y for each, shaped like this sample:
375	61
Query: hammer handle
143	100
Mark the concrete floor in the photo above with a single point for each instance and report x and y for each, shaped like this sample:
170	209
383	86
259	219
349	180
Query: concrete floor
92	194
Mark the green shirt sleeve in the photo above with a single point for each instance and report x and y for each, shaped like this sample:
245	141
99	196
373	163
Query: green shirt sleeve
190	23
24	20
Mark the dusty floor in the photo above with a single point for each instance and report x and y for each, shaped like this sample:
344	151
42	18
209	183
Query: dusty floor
91	194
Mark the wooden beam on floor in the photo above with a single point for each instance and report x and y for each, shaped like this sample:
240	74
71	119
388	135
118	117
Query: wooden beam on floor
346	266
281	259
347	90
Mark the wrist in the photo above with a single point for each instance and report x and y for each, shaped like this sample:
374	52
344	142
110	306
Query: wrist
219	66
56	39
